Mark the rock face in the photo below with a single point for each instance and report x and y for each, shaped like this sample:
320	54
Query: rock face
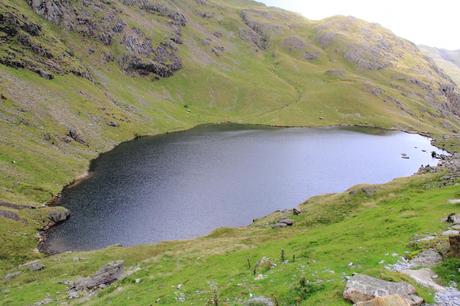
103	22
105	276
23	44
254	33
362	288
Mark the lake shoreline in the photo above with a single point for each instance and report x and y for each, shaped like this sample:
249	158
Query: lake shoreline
55	201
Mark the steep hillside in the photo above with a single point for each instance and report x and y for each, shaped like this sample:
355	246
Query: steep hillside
77	77
448	60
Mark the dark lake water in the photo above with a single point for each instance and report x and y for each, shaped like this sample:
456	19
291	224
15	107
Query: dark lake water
183	185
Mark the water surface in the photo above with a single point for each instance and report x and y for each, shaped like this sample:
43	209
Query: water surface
183	185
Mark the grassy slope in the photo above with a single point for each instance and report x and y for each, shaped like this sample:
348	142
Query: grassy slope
333	231
275	86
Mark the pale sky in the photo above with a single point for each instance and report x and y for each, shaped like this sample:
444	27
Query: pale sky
431	22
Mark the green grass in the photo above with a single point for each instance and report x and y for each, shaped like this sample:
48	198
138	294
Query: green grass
332	232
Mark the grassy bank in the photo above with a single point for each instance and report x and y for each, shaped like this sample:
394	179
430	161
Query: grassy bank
335	236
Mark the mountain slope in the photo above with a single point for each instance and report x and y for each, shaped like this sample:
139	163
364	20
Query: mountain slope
100	73
448	60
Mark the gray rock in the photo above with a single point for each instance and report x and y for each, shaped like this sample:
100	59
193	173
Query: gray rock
450	233
424	277
51	10
310	56
361	288
294	43
448	297
137	43
296	212
425	239
45	301
46	75
336	73
73	294
453	218
58	215
288	222
35	265
259	301
279	225
428	258
9	215
108	274
73	134
11	275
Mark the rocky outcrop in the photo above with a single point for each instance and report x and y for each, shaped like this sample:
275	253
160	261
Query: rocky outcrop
427	258
35	265
95	19
254	32
373	47
108	274
51	10
176	16
136	42
74	135
9	215
57	215
38	52
362	288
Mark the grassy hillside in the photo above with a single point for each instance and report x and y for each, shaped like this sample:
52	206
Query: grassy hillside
447	60
335	236
240	61
78	77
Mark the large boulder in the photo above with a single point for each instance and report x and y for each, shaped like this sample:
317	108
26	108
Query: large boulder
108	274
35	265
428	258
362	288
453	218
58	215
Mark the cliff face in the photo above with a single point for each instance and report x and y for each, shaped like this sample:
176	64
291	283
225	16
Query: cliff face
78	77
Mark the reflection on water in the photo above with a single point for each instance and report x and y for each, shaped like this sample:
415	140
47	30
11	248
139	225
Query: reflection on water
183	185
